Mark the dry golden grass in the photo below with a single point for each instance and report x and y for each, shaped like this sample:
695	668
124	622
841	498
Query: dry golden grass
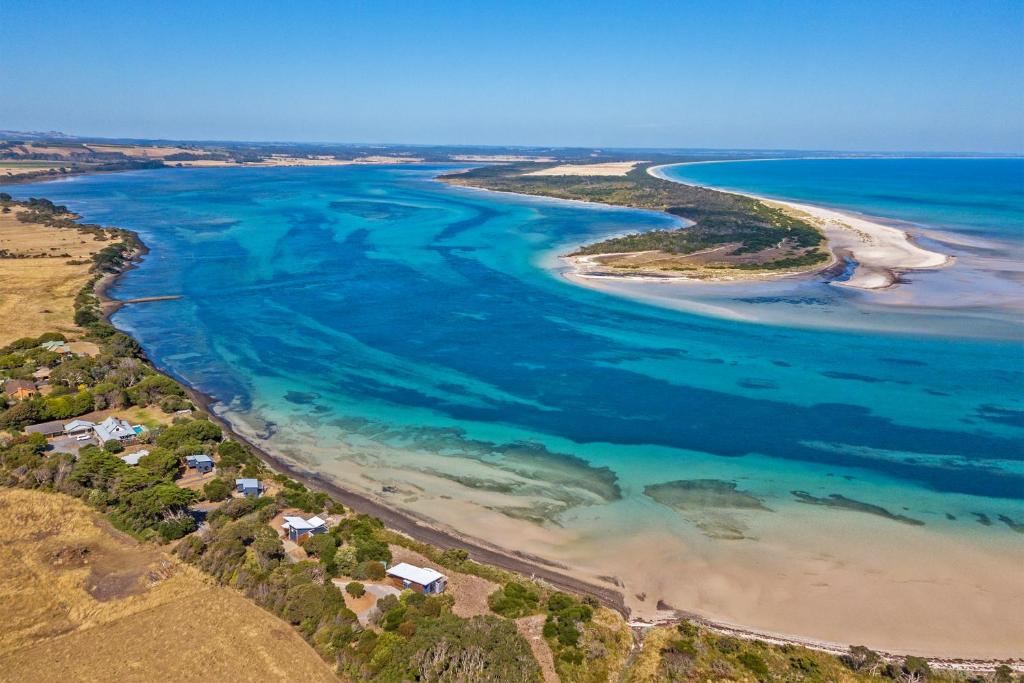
37	294
11	168
80	601
142	151
644	667
607	168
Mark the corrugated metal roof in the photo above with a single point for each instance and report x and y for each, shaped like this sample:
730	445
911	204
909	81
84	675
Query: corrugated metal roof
424	576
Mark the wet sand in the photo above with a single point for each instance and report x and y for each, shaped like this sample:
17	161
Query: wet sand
798	572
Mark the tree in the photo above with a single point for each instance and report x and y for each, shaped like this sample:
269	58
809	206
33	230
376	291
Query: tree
192	431
355	589
217	489
370	569
113	446
96	469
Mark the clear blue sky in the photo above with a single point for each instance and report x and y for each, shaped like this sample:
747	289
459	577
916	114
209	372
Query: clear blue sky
808	75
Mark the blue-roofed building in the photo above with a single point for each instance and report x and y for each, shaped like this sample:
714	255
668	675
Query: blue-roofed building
250	488
298	528
200	461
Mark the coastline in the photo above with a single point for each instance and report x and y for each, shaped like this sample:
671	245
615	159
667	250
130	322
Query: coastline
409	525
880	253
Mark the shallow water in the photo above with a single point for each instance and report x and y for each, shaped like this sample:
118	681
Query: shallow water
386	329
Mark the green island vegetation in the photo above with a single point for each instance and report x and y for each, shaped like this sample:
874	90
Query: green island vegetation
410	637
755	236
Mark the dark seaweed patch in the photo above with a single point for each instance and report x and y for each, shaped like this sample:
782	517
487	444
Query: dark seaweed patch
841	502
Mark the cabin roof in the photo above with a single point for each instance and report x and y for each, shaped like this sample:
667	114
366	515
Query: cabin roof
424	576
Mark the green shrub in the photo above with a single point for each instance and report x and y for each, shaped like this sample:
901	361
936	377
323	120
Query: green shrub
217	489
754	663
355	589
113	446
513	600
369	569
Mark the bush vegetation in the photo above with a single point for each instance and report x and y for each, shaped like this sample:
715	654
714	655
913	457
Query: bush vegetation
718	218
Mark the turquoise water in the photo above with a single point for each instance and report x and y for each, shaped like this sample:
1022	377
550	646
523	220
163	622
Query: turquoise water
983	197
363	308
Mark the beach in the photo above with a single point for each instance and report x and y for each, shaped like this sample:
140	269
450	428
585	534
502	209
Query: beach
821	577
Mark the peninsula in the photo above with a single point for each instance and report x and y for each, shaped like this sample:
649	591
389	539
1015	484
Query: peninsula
726	235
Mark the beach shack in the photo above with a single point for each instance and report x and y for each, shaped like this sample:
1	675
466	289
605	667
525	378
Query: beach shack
199	462
250	488
298	528
420	579
20	389
47	429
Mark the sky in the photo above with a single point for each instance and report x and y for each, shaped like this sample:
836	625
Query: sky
834	75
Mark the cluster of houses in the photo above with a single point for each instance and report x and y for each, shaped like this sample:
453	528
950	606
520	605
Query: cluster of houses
21	389
110	429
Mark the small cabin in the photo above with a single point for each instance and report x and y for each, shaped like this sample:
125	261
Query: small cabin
250	488
298	528
199	462
420	579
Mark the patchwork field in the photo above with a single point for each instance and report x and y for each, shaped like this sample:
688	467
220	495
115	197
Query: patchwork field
41	270
81	601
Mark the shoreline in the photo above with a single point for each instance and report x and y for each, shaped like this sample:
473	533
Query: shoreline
881	253
408	524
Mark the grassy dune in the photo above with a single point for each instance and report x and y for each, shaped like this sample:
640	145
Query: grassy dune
80	601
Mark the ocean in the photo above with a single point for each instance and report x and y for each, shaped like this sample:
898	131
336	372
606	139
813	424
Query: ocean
384	329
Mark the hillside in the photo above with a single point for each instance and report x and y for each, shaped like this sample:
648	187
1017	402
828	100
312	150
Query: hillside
81	601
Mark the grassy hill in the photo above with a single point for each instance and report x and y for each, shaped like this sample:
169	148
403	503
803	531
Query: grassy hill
81	601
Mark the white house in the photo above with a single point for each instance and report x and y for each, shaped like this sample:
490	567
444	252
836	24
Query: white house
419	579
76	427
114	428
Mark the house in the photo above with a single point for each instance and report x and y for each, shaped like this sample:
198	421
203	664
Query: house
114	428
19	389
77	427
419	579
42	374
250	488
47	429
200	461
133	458
298	528
56	347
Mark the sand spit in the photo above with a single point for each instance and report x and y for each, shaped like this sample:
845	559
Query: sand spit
879	252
